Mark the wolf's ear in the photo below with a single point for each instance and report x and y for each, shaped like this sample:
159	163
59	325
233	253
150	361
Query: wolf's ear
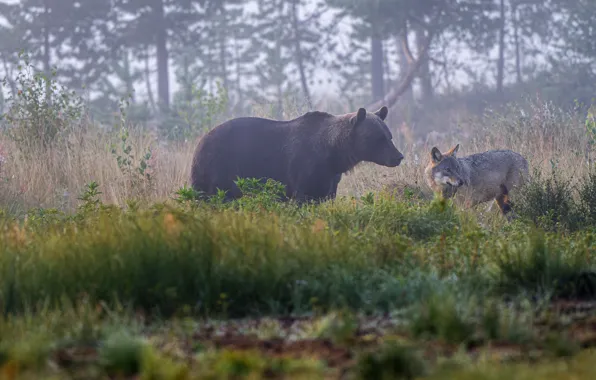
382	112
435	155
359	117
452	151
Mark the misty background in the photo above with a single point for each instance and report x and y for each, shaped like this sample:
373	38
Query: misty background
185	64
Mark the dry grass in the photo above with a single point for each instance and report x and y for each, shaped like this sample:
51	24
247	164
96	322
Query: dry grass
56	178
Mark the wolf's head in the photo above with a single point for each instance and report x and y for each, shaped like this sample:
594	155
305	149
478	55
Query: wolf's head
445	170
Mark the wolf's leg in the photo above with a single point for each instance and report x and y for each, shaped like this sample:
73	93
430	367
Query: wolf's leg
490	206
503	200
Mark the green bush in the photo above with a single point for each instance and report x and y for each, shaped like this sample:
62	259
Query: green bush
549	202
587	198
41	111
391	361
547	266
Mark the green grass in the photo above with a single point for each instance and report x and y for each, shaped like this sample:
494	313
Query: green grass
71	283
242	260
225	261
222	260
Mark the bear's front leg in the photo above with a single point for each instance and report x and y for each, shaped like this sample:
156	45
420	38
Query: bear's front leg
316	192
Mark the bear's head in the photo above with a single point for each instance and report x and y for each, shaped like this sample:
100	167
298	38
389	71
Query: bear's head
371	139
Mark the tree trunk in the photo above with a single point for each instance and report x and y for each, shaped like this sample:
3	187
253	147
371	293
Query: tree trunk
240	100
298	55
404	68
424	73
515	17
376	69
148	82
501	60
278	54
187	85
46	49
279	87
8	76
395	93
128	77
222	51
386	68
163	80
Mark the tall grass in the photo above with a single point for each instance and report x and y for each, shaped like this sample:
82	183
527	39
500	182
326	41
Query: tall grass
215	260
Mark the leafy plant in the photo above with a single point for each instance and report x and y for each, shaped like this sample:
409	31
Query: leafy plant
549	202
187	195
132	166
41	111
258	194
90	198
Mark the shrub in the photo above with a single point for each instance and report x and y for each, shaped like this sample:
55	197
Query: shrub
391	361
549	202
587	198
41	111
546	267
122	355
442	316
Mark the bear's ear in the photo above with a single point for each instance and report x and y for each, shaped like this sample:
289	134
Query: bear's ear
452	151
382	112
359	117
435	155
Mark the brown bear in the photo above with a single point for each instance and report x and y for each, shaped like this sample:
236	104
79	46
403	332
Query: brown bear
307	154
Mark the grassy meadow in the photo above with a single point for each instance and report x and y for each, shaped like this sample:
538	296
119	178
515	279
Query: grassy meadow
110	269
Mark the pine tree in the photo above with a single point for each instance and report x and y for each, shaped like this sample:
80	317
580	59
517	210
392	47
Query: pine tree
64	31
289	38
423	22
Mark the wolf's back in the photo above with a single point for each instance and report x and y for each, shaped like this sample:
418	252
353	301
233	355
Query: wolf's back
497	160
494	168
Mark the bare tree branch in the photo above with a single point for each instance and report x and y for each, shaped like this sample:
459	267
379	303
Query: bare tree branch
405	45
391	98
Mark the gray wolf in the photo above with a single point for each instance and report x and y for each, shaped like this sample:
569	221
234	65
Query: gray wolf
477	178
307	154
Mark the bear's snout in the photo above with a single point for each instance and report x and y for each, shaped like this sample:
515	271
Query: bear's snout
398	159
395	158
